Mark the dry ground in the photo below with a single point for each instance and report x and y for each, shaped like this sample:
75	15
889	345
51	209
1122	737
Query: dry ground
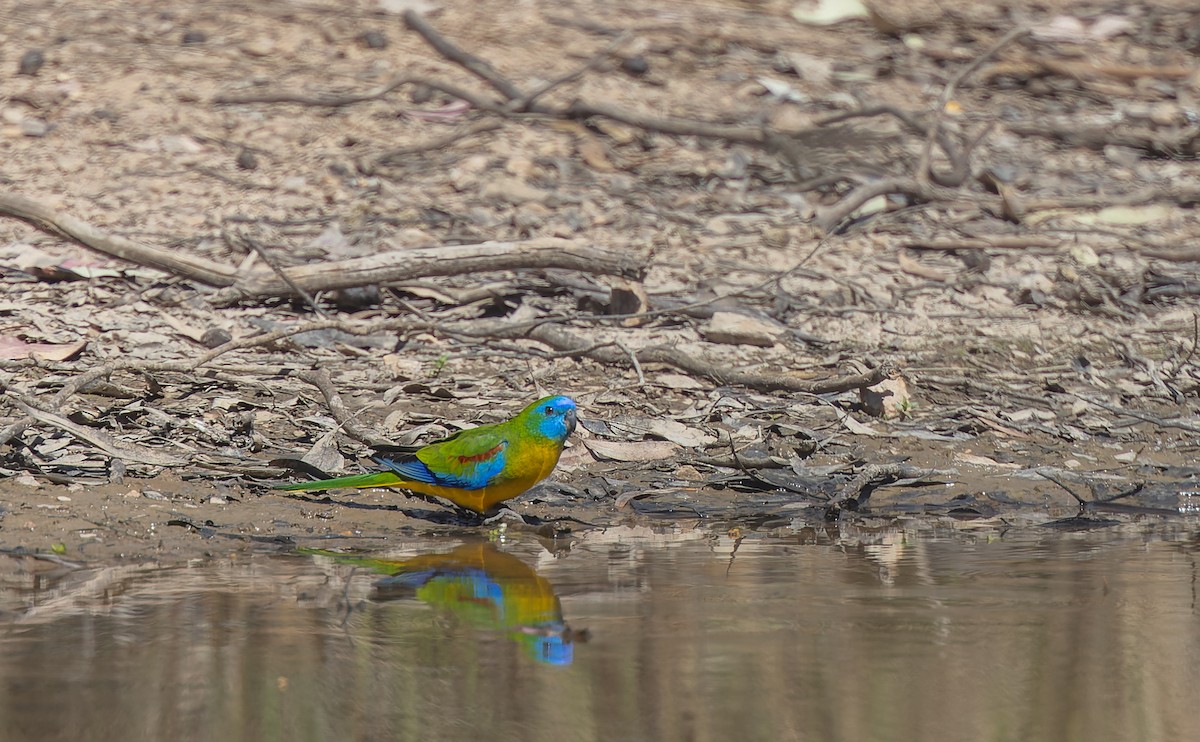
1030	266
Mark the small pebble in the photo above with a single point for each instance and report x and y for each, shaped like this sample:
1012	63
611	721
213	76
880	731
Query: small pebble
31	62
214	337
373	40
246	160
421	94
359	297
192	36
34	128
636	66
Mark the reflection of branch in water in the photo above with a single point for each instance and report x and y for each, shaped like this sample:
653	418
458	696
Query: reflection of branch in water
83	591
1107	504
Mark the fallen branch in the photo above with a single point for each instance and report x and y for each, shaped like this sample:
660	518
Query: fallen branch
828	217
565	341
372	270
51	219
1160	143
333	400
405	265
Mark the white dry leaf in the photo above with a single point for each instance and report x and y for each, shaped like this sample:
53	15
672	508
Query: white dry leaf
684	435
398	7
1020	416
189	331
782	91
24	256
1128	215
678	381
735	328
858	428
89	271
828	12
1074	30
1060	28
331	243
325	455
977	460
1108	26
889	398
810	67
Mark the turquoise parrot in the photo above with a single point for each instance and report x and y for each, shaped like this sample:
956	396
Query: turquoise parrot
476	468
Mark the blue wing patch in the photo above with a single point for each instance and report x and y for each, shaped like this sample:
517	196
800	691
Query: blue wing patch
413	469
478	471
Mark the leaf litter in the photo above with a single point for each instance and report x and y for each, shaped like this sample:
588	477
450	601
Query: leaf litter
1034	326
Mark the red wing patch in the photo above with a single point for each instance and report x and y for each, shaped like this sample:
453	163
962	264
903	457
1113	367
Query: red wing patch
481	456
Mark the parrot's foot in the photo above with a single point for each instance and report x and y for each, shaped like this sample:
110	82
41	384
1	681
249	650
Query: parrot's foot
503	514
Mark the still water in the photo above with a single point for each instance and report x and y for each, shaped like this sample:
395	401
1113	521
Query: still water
627	635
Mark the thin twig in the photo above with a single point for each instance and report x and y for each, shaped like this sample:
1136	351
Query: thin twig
367	166
1143	416
1047	475
333	400
248	241
633	359
924	170
526	101
339	100
473	64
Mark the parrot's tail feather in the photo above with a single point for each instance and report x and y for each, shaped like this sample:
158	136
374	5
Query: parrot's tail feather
356	481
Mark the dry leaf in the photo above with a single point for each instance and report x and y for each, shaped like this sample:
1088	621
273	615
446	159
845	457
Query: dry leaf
970	458
637	451
132	452
12	349
595	154
915	267
858	428
679	381
677	432
183	328
574	458
735	328
889	398
828	12
325	455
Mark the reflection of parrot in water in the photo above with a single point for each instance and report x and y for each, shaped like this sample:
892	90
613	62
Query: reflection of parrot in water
479	467
485	587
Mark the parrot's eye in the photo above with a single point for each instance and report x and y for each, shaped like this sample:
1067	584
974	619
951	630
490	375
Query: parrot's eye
549	410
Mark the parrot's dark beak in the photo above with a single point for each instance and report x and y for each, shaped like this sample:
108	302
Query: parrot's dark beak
571	419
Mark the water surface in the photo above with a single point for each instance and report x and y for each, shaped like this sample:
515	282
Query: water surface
626	635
